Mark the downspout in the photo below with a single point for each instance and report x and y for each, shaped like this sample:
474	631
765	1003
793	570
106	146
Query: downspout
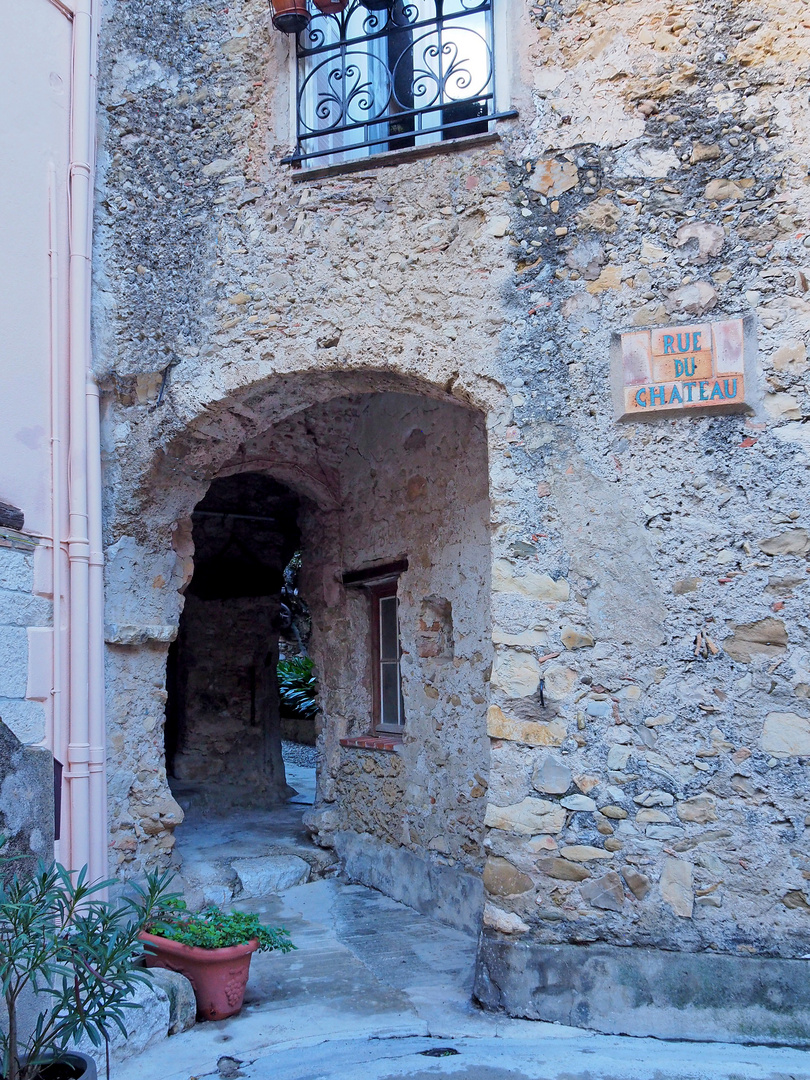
86	677
55	722
54	719
97	725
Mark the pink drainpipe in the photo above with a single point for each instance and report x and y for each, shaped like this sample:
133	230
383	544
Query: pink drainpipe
85	809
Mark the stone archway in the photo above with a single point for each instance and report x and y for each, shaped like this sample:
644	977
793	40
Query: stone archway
388	471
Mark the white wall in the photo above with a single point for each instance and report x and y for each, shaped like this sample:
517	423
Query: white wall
35	82
35	41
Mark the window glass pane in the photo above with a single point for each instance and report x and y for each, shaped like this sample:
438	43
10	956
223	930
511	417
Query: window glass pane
390	695
389	630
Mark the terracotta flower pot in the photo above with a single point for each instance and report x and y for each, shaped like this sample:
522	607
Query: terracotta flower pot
331	7
290	16
219	976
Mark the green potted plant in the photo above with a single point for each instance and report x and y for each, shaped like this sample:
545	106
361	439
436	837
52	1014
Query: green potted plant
298	686
67	968
212	949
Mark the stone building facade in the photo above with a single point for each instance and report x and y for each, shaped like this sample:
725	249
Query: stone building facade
605	669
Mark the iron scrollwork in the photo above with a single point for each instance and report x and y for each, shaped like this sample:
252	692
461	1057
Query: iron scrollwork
373	80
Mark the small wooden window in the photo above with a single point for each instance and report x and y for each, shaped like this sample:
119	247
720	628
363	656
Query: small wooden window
386	651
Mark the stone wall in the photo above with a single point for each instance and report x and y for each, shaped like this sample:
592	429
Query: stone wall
658	799
412	476
652	574
228	723
21	608
26	805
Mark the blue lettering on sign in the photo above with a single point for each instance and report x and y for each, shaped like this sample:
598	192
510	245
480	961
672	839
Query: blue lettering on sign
646	397
681	346
696	340
682	367
669	343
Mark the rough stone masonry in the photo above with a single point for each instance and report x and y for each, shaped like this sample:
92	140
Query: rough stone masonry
643	781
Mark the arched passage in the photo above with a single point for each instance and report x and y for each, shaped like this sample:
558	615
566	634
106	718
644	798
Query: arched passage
392	485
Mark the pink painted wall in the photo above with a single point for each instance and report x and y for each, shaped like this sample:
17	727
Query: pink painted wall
35	62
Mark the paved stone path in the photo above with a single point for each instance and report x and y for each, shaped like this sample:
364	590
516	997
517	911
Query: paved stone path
373	985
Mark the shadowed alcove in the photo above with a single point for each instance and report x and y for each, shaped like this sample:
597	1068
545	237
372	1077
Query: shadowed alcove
223	735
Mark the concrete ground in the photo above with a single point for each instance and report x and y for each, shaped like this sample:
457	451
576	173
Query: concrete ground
378	992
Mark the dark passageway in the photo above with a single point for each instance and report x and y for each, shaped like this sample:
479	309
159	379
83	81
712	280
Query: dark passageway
223	734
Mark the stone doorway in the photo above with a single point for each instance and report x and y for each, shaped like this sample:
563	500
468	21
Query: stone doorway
377	480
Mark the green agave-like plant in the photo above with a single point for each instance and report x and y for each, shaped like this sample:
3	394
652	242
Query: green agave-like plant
297	685
76	954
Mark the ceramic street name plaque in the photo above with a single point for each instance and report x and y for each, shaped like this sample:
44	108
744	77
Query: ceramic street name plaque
675	369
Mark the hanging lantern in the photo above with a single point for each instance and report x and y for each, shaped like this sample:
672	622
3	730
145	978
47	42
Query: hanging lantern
290	16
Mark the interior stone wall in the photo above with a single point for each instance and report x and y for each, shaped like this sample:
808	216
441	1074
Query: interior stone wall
656	174
413	480
228	723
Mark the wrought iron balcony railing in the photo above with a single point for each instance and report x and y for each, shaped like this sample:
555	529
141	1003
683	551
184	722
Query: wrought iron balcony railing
417	72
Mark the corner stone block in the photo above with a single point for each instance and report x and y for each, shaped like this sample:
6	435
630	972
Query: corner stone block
516	674
507	922
13	661
501	726
501	878
676	887
526	818
535	586
786	733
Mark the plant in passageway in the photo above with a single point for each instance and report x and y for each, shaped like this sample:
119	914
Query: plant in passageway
213	950
215	929
70	957
297	685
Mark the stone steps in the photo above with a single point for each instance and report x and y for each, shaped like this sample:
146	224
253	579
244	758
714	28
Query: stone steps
223	880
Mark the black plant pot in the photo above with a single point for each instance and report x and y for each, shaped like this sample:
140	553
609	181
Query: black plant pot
73	1066
376	5
290	16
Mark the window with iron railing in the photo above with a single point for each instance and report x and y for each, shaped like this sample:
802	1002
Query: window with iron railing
407	75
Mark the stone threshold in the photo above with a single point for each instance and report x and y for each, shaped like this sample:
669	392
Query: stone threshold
371	742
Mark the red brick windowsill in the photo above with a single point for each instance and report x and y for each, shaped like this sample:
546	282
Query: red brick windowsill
371	742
